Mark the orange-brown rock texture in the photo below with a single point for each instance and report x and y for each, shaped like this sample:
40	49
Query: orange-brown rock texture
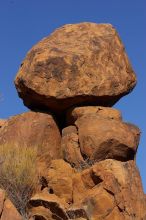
86	152
78	64
36	130
109	189
2	122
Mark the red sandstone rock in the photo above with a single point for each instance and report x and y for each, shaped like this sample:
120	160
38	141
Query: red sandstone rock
78	64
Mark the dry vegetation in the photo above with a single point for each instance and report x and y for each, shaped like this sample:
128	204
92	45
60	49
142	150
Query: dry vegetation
18	174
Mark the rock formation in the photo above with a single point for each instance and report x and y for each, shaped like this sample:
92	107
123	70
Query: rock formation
36	130
2	122
85	152
79	64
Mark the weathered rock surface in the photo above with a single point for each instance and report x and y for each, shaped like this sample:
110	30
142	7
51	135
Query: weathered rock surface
76	112
111	190
97	133
7	209
108	190
78	64
33	129
101	138
89	173
70	146
2	122
59	178
47	206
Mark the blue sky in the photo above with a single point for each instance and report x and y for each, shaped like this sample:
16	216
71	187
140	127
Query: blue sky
24	22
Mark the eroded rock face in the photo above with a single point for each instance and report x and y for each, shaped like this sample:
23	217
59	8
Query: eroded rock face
108	190
77	64
33	129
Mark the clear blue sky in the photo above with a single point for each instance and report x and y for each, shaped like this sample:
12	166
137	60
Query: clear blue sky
24	22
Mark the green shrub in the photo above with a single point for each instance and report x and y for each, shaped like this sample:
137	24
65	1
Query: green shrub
18	176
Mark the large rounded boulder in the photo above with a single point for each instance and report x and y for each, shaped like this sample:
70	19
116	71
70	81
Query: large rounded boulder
78	64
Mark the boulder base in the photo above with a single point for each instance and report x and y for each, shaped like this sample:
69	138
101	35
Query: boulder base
107	190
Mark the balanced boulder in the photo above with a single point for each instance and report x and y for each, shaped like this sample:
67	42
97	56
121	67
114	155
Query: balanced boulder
77	64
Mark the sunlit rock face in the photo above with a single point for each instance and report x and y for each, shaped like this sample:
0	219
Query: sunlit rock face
35	130
77	64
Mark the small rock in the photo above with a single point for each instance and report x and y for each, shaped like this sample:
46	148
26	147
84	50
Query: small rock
74	113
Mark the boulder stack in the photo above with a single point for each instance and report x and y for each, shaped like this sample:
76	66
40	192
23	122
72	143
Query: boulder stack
74	76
